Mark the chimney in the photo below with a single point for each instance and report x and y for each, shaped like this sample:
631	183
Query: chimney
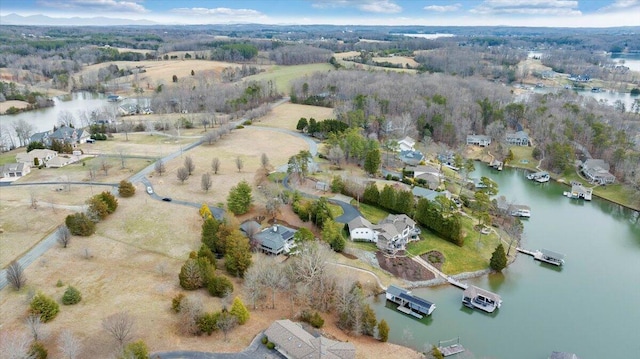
275	228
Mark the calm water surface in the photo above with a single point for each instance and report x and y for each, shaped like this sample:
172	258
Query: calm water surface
590	306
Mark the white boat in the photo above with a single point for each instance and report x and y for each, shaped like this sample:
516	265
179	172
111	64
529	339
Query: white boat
521	212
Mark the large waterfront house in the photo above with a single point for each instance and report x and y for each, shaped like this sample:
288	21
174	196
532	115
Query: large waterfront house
64	134
597	171
390	235
293	342
519	138
479	140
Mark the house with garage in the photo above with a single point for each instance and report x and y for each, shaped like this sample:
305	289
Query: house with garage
64	134
13	171
275	240
479	140
411	158
519	138
293	342
390	235
42	155
430	194
426	175
597	171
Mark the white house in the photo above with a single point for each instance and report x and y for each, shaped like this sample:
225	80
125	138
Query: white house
43	156
479	140
406	144
13	171
391	235
597	171
519	138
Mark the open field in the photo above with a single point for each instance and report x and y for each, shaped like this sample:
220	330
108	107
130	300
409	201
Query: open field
77	172
139	144
282	75
248	144
402	60
4	106
287	115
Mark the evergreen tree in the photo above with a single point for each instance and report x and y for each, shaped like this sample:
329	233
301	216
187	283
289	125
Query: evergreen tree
238	254
369	320
239	200
498	259
371	194
302	124
191	275
110	200
383	330
220	286
332	234
136	350
387	197
44	306
210	233
80	225
372	161
71	296
239	310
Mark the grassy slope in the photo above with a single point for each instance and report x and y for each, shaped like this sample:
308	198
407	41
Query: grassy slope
282	75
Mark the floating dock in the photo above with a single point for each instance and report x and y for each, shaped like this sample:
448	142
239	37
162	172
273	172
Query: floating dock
457	283
545	255
451	349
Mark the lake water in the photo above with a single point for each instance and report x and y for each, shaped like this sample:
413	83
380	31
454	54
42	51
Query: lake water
44	119
607	97
590	306
632	61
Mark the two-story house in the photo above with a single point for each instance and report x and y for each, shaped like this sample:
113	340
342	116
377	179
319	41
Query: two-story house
597	171
390	235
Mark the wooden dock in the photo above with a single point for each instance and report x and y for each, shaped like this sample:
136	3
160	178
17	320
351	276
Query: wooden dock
452	349
457	283
544	256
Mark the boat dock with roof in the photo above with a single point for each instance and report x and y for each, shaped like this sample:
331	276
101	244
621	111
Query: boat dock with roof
545	255
540	177
409	303
474	297
578	191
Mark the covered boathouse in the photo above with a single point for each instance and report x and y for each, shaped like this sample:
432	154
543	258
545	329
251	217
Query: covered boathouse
409	303
474	297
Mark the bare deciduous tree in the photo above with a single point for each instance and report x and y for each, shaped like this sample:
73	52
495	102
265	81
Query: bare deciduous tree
105	166
36	327
23	130
34	199
264	160
69	345
15	345
182	174
160	167
64	236
226	322
215	165
205	182
122	152
189	165
191	309
15	275
120	326
239	163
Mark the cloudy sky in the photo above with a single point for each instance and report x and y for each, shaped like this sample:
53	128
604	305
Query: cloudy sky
565	13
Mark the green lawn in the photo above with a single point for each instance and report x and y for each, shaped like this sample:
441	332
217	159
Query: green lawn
336	211
522	153
7	157
282	75
371	213
474	255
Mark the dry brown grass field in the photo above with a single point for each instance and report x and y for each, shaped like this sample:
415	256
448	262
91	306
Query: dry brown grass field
122	271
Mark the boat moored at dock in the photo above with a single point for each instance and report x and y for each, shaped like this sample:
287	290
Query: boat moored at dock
540	177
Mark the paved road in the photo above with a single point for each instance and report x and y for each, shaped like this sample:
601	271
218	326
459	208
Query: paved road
349	211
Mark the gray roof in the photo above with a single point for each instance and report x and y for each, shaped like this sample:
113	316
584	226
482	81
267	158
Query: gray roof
399	221
563	355
478	137
13	167
274	237
517	135
473	291
359	222
428	193
596	163
293	340
395	291
552	254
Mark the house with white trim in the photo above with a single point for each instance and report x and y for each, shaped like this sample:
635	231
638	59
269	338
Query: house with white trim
392	234
42	155
406	144
479	140
519	138
293	342
597	171
12	171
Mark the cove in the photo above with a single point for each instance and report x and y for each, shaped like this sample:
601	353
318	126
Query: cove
590	306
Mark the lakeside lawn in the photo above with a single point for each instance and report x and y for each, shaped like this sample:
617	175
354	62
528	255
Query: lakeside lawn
523	153
473	256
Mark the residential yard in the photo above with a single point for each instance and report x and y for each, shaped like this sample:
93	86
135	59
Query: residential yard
372	213
523	158
139	144
79	171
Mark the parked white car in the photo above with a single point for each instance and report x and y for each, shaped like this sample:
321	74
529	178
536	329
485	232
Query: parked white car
149	190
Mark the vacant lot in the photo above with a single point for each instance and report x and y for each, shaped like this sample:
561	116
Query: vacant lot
287	115
282	75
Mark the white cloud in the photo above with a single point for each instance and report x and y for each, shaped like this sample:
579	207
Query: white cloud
377	6
621	5
96	5
528	7
443	8
220	11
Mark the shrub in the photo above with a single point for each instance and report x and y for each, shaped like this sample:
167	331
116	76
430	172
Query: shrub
270	345
176	302
383	330
219	286
208	322
136	350
59	284
239	311
265	340
191	275
109	200
239	127
80	225
126	189
44	306
71	296
37	351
